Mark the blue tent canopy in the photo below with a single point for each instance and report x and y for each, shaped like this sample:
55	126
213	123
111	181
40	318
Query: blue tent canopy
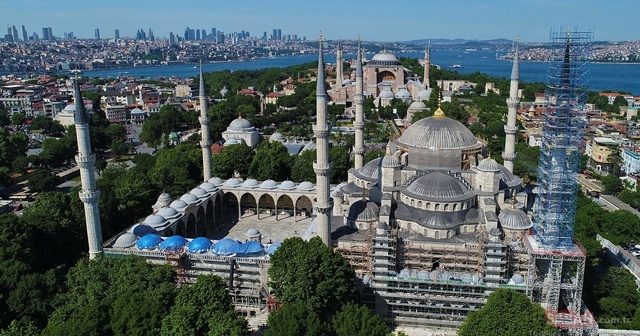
199	245
149	242
173	243
226	246
250	248
273	248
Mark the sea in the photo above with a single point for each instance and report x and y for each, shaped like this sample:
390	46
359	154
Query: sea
600	76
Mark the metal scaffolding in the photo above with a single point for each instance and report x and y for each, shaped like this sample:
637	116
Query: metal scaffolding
561	135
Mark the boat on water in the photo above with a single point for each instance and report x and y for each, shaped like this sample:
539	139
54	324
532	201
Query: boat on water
456	66
471	49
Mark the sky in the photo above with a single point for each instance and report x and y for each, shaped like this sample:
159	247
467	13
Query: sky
373	20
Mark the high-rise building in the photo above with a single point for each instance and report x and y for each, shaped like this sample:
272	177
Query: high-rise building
197	34
96	33
47	34
214	34
117	34
203	34
279	35
264	36
172	38
274	36
151	37
9	36
189	34
15	34
25	37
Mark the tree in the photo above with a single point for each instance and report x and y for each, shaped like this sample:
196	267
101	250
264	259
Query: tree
612	184
177	169
114	296
311	273
240	156
302	169
294	320
341	160
526	162
272	161
55	152
507	312
101	165
204	308
43	180
18	119
357	320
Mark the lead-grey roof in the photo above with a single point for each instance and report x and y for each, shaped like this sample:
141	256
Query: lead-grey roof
432	219
489	165
438	186
507	179
370	171
363	211
514	219
438	133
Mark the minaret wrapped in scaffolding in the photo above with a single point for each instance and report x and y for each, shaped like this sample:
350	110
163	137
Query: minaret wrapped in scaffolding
556	268
513	102
205	143
358	124
89	194
322	167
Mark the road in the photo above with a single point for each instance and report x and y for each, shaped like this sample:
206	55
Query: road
590	184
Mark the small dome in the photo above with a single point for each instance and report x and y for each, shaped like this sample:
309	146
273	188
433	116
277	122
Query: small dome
125	240
149	242
369	171
514	219
495	232
173	243
164	197
276	137
208	186
489	165
390	160
273	248
200	245
154	220
439	186
199	192
250	248
142	230
232	182
178	204
250	183
168	212
226	246
252	233
306	185
438	133
517	279
240	124
384	58
424	94
386	94
363	211
189	198
215	181
70	108
417	106
269	184
287	185
403	94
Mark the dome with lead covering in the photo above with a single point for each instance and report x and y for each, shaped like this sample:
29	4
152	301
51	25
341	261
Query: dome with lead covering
250	183
438	186
403	94
276	137
306	185
269	184
417	106
363	211
386	94
125	240
438	133
155	221
232	182
489	165
514	219
390	160
189	198
240	124
199	192
168	212
142	230
252	233
370	171
424	94
179	204
384	58
216	181
287	185
208	186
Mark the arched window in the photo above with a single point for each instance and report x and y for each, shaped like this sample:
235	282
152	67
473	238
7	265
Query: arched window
420	204
446	207
437	235
413	202
455	206
437	206
464	229
428	206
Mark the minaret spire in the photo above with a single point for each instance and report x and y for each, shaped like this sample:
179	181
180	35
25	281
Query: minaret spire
358	99
427	65
205	143
339	66
322	167
513	103
89	194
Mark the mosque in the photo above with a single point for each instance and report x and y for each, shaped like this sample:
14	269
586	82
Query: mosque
431	229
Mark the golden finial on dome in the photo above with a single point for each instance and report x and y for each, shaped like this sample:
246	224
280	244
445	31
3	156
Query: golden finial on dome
439	112
513	203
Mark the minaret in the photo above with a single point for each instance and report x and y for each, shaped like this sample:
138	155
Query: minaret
427	66
358	124
322	167
513	102
205	143
86	160
339	65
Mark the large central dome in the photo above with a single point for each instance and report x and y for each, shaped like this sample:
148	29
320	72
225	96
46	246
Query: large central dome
438	133
384	58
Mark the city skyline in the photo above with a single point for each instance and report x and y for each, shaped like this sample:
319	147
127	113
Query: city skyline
375	20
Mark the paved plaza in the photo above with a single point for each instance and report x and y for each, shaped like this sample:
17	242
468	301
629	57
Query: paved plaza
272	230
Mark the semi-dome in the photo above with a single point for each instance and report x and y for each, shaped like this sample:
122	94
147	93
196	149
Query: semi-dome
386	94
369	171
232	182
149	242
287	185
306	185
250	183
514	219
269	184
363	211
240	124
168	212
208	186
178	204
200	245
215	181
125	240
438	133
489	165
173	243
438	220
189	198
142	230
384	58
438	186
